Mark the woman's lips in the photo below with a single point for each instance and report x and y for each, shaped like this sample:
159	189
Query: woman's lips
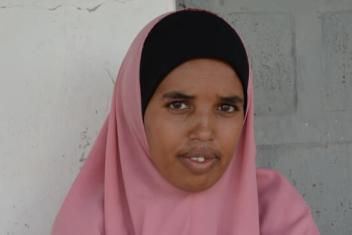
198	167
200	162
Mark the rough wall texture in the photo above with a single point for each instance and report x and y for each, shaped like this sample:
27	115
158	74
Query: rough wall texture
301	53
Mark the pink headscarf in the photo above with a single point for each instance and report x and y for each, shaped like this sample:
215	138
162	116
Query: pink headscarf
118	190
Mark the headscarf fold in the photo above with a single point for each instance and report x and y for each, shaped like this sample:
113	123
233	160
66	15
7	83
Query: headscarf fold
118	191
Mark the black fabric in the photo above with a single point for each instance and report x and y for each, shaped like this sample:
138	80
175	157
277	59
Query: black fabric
185	35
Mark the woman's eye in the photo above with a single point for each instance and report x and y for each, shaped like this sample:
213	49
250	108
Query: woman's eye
177	105
228	108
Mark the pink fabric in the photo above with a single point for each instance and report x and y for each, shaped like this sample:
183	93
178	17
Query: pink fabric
118	191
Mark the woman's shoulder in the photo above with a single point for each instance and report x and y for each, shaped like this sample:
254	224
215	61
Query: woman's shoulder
270	181
282	209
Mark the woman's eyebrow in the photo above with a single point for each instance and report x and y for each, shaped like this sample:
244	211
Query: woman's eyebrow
233	99
177	95
180	95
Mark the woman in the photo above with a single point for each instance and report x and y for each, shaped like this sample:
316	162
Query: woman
176	154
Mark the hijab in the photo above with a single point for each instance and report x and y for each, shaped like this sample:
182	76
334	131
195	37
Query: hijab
118	191
186	35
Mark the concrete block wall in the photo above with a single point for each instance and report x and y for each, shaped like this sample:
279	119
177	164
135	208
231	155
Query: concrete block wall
301	52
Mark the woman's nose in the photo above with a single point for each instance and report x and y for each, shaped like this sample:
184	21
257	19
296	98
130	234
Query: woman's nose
202	127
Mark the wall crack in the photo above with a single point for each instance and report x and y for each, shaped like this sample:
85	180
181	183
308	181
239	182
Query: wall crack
54	8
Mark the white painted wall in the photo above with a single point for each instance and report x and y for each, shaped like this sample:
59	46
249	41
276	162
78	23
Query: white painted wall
58	61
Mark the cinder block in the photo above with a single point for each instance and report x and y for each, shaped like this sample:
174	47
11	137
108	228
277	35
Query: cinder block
269	38
337	59
322	174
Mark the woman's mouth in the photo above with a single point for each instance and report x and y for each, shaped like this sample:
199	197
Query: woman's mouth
199	162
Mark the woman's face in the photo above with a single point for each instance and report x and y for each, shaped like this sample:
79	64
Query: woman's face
193	123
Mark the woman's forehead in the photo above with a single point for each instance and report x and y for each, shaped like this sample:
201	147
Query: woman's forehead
202	74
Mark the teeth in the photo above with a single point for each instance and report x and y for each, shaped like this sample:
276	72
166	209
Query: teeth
199	159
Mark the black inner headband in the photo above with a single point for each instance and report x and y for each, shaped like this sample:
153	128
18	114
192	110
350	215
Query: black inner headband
185	35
